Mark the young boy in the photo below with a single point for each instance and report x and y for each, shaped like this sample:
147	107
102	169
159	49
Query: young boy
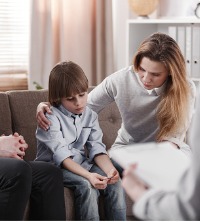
74	143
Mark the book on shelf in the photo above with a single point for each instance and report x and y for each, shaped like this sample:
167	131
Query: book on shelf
159	165
188	49
181	38
188	39
195	52
172	32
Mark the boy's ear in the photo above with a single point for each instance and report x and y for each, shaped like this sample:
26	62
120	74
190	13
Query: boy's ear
57	102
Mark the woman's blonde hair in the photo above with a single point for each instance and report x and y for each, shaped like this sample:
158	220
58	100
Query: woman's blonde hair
66	79
172	112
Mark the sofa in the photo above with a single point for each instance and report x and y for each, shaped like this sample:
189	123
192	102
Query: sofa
18	114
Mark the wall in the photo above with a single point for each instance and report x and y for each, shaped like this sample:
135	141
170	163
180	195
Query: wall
120	16
121	12
177	8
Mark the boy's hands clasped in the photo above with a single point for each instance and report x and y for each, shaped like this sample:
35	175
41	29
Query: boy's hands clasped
113	176
100	182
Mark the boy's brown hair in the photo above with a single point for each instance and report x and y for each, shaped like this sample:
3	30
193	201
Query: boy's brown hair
66	79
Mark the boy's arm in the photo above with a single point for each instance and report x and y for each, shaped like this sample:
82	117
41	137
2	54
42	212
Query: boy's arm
98	153
104	162
94	142
74	167
53	139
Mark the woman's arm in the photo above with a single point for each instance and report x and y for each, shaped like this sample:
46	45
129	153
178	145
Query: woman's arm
100	96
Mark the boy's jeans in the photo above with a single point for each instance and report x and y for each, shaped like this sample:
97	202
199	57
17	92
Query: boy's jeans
86	197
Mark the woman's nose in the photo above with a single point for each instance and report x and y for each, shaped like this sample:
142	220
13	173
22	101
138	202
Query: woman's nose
147	77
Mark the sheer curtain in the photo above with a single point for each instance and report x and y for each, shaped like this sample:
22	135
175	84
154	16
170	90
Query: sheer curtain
76	30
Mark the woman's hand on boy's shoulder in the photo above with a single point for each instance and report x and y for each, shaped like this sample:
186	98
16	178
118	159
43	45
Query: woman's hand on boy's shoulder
42	121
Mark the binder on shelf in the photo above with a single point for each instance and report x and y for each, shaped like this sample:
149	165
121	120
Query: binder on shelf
188	49
172	32
181	38
195	67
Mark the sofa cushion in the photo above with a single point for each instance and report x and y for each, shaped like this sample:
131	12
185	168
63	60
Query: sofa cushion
110	121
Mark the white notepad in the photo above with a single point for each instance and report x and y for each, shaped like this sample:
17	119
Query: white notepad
159	165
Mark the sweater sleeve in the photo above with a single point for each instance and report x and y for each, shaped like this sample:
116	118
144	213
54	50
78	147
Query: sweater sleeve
100	96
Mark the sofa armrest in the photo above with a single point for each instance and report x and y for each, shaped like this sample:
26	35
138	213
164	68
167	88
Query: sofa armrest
5	115
23	104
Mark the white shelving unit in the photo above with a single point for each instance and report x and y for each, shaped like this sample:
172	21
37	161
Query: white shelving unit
139	29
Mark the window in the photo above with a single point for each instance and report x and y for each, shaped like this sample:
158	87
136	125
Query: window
14	44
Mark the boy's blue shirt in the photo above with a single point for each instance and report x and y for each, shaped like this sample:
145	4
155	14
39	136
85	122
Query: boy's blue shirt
76	136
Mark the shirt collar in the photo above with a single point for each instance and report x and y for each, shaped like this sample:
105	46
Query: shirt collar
161	89
68	113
